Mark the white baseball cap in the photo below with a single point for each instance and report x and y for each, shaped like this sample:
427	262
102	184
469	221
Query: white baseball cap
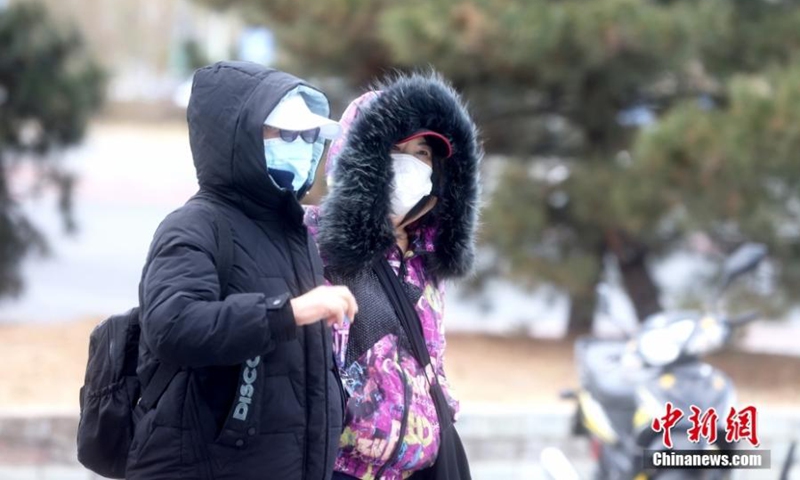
292	113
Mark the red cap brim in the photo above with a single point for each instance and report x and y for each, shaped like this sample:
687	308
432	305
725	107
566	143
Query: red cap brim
431	133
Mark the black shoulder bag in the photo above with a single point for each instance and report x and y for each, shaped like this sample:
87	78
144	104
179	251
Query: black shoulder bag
451	461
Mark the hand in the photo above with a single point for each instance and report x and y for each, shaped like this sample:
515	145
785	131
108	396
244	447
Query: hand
331	304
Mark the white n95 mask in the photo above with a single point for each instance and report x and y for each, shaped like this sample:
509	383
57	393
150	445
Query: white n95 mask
412	181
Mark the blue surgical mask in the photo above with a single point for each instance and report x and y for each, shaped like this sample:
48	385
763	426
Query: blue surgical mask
295	158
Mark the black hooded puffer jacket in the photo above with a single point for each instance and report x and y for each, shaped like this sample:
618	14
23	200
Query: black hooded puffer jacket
245	349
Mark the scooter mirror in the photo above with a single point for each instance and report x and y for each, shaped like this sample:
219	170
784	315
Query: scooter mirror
744	259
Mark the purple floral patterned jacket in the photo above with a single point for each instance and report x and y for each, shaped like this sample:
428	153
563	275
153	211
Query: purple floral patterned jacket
391	425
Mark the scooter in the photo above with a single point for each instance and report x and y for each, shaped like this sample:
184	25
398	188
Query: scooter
625	384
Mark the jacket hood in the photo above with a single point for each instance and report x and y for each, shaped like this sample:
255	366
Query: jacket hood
355	228
226	113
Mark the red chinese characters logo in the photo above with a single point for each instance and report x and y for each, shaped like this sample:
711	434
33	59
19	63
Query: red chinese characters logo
666	423
742	425
739	425
704	425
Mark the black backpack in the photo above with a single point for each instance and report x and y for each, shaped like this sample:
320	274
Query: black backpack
112	391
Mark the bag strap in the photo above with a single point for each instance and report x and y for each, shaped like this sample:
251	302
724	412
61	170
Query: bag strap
412	325
224	264
224	260
405	311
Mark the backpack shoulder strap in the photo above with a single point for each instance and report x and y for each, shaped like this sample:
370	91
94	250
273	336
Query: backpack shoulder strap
157	385
224	260
224	264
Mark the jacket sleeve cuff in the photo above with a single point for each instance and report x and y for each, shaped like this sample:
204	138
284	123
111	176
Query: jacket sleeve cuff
280	318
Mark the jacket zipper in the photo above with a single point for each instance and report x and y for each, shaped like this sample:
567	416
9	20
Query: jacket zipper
303	234
326	353
327	389
403	426
342	392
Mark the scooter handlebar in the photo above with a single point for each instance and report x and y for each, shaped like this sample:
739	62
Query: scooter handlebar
743	319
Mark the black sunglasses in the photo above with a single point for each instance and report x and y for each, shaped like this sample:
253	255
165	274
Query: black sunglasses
308	136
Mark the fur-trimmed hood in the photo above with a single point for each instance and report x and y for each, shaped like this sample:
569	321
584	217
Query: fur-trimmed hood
354	225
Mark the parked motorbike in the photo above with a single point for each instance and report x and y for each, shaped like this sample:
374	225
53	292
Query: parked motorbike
625	384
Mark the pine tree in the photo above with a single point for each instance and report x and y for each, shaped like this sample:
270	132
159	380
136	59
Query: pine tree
605	110
48	89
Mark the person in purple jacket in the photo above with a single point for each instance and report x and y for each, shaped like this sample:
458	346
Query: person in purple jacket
404	185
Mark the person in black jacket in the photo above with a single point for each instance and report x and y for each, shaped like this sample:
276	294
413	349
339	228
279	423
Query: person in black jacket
257	395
